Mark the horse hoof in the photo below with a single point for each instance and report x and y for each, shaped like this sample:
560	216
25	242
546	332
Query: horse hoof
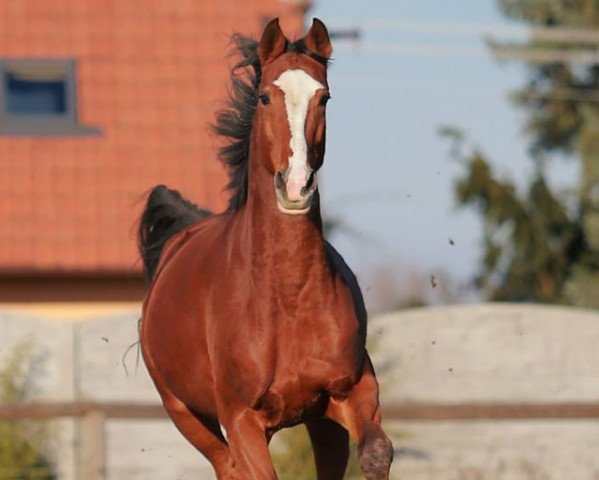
375	458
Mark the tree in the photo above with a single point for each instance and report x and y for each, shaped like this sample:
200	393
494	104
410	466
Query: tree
21	443
542	244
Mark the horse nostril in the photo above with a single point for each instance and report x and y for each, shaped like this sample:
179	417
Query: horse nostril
279	181
306	188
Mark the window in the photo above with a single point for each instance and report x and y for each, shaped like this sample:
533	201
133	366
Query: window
38	97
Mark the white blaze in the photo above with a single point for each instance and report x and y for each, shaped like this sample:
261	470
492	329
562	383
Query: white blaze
298	88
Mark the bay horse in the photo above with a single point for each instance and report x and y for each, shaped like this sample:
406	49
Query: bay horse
252	321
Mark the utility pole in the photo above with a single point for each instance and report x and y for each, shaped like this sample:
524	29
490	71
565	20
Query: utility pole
353	34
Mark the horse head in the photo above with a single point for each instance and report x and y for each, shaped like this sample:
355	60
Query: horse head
290	115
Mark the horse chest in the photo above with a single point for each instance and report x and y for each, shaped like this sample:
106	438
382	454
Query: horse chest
300	388
285	357
313	362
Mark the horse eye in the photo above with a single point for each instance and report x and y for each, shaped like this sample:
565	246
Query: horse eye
324	99
264	98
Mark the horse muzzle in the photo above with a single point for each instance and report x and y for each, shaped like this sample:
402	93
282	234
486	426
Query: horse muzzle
295	197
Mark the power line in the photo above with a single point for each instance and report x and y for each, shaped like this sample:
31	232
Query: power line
552	34
565	35
569	94
502	50
499	51
420	51
391	26
544	55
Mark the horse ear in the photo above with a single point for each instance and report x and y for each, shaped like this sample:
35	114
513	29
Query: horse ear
273	43
317	39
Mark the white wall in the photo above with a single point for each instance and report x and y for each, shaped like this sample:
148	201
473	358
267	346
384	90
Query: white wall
52	367
84	360
491	352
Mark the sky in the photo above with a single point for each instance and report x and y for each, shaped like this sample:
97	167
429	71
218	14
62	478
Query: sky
387	174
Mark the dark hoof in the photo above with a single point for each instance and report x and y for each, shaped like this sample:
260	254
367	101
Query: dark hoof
375	458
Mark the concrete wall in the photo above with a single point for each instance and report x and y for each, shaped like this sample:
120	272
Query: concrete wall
137	450
450	354
493	352
84	360
52	365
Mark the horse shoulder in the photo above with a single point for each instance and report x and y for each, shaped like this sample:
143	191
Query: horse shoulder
340	267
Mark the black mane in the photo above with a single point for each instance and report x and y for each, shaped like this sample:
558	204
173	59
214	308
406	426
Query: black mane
234	122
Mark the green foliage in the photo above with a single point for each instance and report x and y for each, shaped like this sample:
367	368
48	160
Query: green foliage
559	98
556	93
575	13
542	244
294	459
531	242
21	456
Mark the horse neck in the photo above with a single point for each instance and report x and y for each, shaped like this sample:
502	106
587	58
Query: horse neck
291	247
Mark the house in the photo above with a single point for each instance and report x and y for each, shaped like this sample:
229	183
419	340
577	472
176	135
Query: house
99	101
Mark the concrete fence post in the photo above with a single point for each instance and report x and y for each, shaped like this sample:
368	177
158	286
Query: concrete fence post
92	446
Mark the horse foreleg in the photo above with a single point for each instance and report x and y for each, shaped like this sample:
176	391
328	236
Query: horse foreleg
360	414
248	444
330	442
202	432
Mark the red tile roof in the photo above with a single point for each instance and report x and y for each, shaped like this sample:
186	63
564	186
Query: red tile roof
150	74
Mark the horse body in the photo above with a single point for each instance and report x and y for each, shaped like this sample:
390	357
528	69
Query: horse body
311	299
253	322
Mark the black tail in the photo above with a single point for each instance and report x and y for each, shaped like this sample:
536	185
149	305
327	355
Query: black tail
166	213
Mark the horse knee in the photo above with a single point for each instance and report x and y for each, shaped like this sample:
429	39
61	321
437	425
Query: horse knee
376	455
